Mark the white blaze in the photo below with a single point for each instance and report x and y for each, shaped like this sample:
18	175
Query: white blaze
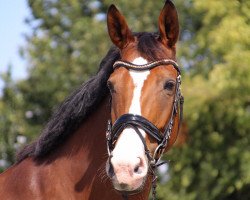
129	143
138	79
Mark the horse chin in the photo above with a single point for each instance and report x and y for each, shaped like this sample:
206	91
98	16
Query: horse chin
128	193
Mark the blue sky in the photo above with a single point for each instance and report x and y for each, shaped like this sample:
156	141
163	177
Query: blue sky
12	28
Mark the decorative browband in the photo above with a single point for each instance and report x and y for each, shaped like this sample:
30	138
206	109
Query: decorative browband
147	66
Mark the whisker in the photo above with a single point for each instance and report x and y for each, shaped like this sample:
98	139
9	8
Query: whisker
101	172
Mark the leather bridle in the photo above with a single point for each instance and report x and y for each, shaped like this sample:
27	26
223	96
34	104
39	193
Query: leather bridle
137	121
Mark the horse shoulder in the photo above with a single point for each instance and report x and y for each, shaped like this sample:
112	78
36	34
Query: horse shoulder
21	181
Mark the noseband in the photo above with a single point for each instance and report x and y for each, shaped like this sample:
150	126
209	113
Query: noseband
138	122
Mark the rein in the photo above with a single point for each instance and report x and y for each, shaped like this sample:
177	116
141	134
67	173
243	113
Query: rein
138	121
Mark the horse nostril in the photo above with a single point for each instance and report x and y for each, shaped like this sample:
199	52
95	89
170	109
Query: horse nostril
136	170
138	167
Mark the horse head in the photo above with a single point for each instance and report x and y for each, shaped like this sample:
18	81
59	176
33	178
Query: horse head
145	98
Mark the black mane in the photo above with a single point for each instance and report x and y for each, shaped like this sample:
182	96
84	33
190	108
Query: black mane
77	107
70	114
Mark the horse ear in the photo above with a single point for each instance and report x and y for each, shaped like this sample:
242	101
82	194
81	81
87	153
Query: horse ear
117	28
168	24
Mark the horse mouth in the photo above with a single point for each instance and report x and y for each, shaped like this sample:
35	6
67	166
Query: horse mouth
126	189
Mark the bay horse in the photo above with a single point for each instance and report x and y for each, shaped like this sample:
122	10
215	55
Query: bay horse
136	91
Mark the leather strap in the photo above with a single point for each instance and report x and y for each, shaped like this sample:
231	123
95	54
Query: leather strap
135	120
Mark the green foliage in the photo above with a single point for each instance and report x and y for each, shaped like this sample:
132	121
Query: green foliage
68	41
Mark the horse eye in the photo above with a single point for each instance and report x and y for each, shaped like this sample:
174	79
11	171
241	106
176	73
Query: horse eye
110	87
169	85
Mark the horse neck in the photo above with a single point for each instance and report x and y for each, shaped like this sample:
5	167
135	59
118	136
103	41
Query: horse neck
87	144
83	155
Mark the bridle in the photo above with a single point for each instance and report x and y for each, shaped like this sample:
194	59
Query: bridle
137	121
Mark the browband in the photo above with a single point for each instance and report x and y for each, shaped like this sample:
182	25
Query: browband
147	66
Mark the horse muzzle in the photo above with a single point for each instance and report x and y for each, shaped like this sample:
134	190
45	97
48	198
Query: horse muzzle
128	178
128	165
